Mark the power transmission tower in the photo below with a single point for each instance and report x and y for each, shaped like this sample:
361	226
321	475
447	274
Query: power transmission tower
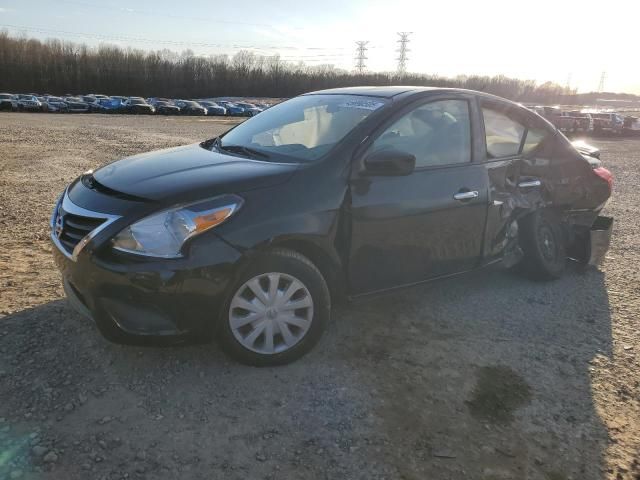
603	77
402	53
361	56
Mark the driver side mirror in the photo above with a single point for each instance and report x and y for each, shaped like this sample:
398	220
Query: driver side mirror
389	163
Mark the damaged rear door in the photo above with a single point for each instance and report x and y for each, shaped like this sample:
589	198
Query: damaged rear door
518	167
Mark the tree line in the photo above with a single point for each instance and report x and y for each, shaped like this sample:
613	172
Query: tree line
60	67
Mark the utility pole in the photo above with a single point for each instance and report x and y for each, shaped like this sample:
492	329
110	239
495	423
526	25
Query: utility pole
603	77
361	56
402	53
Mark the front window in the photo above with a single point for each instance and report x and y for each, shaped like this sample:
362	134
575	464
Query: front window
138	102
5	97
305	127
437	133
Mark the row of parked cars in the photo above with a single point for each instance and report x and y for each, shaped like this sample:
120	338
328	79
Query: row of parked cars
588	120
96	103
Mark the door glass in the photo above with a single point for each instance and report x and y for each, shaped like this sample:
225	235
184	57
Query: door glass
437	133
534	138
504	135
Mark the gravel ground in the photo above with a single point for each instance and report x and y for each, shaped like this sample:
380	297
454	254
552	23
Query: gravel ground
486	376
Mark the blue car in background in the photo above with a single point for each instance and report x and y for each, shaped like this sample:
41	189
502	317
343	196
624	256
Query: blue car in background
250	109
213	108
108	105
232	109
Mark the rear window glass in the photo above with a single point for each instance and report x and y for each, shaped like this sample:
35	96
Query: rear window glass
535	136
504	135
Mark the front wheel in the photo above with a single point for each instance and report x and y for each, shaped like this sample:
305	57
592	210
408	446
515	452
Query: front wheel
543	242
276	310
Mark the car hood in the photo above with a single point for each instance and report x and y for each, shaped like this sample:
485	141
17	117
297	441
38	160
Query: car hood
189	172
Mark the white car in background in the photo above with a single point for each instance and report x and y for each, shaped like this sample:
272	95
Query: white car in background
29	102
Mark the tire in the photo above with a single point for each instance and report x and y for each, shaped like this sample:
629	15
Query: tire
543	242
286	267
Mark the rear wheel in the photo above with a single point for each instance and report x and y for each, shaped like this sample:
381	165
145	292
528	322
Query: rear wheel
276	311
544	245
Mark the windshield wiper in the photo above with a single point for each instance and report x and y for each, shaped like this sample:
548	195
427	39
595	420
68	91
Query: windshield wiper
250	152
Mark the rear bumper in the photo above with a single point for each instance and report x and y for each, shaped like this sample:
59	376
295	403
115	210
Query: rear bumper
599	239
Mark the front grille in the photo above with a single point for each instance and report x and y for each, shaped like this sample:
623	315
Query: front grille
70	228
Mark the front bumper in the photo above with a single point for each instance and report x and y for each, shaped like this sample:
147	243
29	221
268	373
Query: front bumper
129	296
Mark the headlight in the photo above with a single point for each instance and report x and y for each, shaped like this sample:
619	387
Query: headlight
164	233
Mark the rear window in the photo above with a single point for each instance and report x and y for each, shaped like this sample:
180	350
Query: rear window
503	134
535	136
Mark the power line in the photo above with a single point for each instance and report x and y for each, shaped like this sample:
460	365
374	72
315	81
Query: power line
136	11
402	53
95	36
361	51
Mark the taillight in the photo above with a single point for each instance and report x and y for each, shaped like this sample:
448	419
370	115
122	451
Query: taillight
606	175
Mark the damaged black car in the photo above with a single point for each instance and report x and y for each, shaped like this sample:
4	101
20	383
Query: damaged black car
250	237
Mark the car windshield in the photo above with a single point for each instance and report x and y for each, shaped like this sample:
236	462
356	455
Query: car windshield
73	99
191	104
25	97
54	99
305	127
137	102
5	96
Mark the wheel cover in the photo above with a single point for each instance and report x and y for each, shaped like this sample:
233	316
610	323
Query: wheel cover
270	313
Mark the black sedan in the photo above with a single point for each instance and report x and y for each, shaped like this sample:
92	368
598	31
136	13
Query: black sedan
189	107
138	106
251	236
166	108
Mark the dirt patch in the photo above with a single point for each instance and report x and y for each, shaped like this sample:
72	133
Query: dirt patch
498	393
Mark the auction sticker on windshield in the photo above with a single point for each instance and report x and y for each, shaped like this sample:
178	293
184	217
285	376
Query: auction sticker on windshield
362	104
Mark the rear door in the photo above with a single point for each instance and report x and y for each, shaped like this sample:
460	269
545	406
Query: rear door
516	167
407	229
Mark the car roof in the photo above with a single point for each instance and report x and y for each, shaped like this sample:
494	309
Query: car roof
372	91
406	91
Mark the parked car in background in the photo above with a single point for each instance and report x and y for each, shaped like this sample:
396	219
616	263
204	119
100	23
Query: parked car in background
8	102
213	109
29	103
250	110
165	107
54	104
583	121
224	240
108	105
607	122
76	105
632	124
562	121
138	106
189	107
232	109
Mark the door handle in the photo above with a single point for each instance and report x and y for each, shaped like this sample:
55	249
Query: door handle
466	195
530	183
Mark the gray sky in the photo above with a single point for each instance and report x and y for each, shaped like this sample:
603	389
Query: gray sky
541	40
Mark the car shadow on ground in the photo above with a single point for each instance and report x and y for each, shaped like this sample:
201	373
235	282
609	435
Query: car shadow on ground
487	375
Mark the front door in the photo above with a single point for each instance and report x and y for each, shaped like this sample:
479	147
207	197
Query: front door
406	229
